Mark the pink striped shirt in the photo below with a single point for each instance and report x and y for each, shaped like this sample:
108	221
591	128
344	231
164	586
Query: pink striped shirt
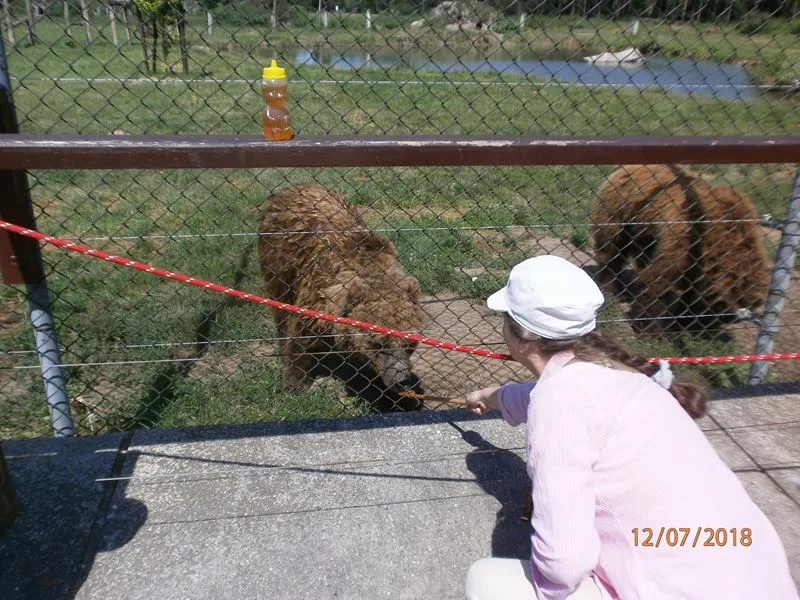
611	451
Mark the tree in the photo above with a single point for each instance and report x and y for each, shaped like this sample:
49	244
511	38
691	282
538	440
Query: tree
163	15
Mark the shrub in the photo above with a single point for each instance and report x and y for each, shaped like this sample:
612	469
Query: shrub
754	22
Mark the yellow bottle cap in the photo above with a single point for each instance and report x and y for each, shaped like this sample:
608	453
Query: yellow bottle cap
274	71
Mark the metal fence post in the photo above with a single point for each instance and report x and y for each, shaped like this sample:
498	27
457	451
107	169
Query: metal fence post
781	276
22	263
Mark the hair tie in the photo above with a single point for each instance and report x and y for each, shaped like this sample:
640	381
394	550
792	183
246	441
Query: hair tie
663	376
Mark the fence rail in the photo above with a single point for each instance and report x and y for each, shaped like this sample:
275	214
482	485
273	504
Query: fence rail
42	151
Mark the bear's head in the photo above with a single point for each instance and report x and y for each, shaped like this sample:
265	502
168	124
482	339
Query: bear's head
374	366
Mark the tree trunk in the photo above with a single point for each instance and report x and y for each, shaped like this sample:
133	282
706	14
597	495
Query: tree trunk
87	22
142	35
165	40
210	21
9	505
9	23
155	43
273	18
182	40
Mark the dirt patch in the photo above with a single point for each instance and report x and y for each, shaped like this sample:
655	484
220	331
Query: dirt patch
12	385
216	365
371	215
559	247
452	374
500	242
519	239
12	317
492	242
101	400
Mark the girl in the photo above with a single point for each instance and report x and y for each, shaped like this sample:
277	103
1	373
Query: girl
630	501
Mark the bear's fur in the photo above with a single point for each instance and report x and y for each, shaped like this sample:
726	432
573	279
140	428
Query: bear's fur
315	252
697	249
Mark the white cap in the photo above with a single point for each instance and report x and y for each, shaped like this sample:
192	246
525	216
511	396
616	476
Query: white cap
550	297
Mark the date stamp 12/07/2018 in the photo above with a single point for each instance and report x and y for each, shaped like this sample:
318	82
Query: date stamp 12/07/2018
691	536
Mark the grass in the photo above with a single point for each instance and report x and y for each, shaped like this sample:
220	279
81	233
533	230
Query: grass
446	222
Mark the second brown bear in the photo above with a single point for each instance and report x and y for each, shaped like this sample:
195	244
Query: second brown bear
696	249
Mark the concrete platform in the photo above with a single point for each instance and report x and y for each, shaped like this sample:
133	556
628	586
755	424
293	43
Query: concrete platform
393	506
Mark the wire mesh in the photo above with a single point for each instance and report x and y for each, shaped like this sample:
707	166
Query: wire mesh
690	249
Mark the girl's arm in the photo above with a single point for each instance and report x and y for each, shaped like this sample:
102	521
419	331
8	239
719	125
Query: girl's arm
513	400
510	399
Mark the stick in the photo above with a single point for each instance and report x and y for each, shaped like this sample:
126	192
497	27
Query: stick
443	400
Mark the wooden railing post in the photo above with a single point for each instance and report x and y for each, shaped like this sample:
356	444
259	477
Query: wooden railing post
21	263
9	506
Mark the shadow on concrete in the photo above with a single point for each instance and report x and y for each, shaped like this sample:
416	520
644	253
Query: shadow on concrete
145	437
73	504
118	518
750	391
66	515
501	473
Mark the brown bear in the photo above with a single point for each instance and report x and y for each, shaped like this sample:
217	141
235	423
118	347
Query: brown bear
316	252
698	252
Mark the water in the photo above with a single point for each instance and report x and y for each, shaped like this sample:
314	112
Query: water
681	76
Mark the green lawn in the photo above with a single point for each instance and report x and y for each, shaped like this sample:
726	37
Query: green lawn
201	222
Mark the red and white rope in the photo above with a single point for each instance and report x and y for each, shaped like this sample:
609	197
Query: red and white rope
370	327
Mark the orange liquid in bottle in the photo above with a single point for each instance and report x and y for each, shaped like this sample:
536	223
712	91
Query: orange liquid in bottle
277	121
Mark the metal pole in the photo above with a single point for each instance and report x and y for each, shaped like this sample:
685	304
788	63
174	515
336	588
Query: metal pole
781	275
55	384
18	207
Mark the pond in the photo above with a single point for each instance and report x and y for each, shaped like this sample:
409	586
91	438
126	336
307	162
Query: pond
682	76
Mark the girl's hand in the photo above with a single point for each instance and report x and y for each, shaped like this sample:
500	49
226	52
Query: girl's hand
482	401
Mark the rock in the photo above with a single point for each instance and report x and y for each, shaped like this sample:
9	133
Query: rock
628	55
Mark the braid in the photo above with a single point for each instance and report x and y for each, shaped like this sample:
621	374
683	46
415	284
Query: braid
691	396
597	342
598	348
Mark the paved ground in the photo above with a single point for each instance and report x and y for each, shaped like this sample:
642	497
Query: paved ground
385	507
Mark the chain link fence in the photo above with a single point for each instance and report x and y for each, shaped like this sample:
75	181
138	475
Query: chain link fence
145	352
